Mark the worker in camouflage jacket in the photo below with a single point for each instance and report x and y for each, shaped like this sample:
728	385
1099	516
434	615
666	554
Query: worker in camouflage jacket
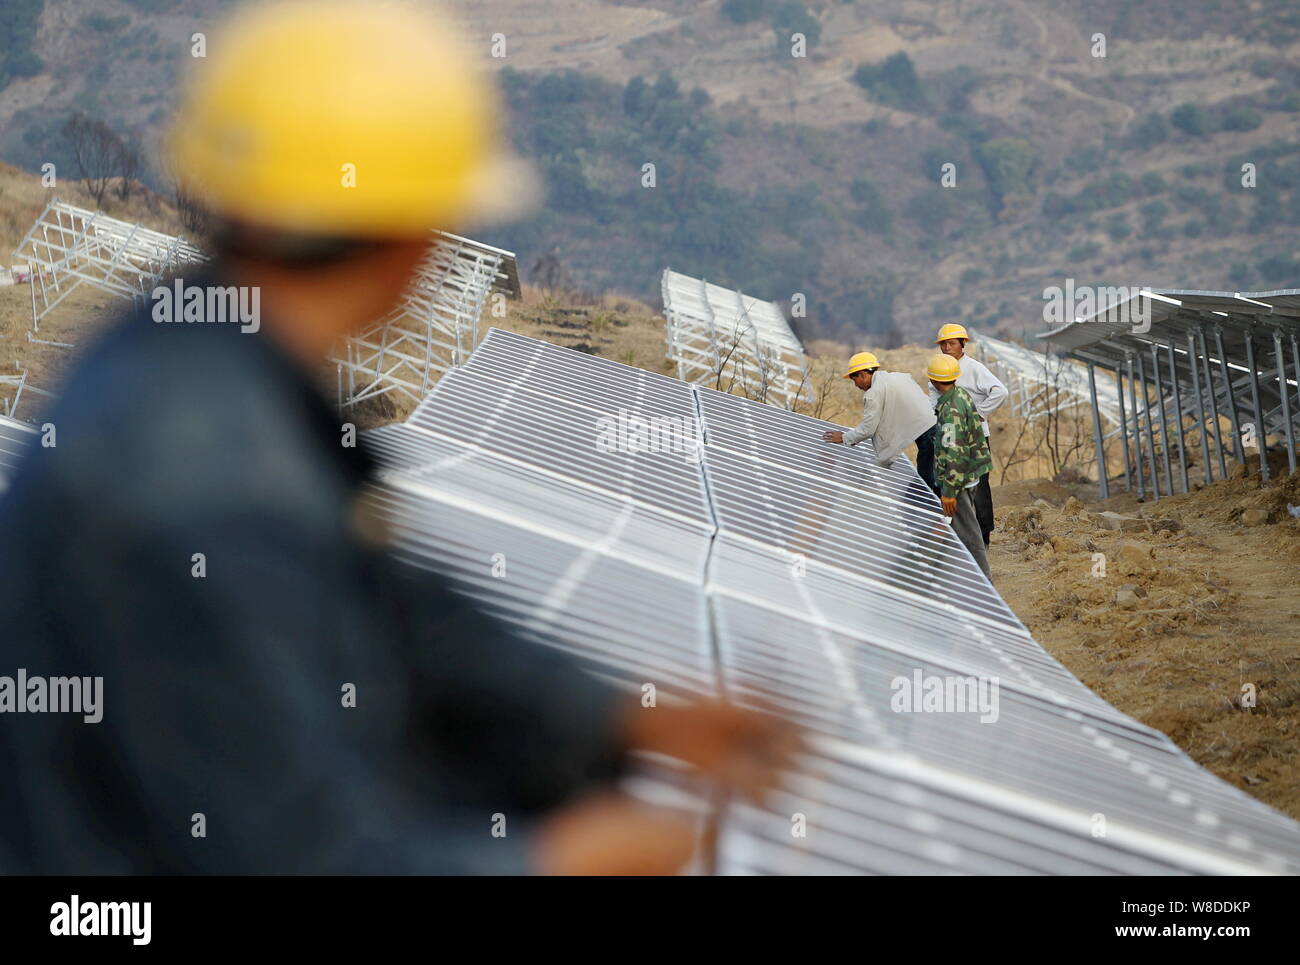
961	455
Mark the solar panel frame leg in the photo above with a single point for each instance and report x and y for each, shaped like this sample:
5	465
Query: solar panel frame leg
1207	471
1137	429
1164	419
1231	396
1178	413
1151	439
1295	368
1103	484
1280	355
1212	395
1254	402
1123	428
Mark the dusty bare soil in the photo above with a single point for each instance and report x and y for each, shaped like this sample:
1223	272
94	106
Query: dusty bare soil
1213	609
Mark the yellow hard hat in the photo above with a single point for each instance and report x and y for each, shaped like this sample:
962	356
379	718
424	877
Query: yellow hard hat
951	330
863	360
345	118
943	368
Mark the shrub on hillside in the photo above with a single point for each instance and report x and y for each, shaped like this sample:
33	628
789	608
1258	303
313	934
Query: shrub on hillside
893	82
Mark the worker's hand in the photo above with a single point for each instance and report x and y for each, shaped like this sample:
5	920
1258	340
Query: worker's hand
949	505
610	833
743	749
833	435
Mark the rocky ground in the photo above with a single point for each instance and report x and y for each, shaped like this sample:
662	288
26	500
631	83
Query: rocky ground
1175	611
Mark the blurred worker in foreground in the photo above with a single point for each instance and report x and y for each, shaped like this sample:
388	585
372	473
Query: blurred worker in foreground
280	695
987	392
894	413
961	454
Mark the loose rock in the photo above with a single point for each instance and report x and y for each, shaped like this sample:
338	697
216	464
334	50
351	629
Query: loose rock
1133	559
1119	523
1064	544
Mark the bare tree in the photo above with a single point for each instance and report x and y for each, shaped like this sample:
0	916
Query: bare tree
723	361
549	272
824	393
129	162
193	215
95	149
1063	430
1031	451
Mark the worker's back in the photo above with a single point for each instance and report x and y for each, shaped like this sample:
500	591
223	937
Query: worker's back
904	413
278	696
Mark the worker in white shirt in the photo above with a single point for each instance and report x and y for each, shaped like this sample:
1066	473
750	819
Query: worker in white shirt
895	412
987	392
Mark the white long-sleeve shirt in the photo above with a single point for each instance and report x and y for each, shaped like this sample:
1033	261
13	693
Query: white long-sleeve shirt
894	413
986	389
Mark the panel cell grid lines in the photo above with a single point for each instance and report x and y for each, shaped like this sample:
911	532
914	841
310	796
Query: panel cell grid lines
739	554
725	339
15	437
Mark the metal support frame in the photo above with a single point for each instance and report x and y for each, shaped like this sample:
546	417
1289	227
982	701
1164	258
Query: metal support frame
1164	420
1211	393
1123	429
1233	381
1282	392
723	338
1137	429
68	246
1207	471
1151	441
1230	396
1178	413
433	329
20	385
1295	368
1255	407
1103	484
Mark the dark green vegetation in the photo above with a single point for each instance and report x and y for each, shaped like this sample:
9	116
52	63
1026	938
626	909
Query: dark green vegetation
1122	172
17	31
777	232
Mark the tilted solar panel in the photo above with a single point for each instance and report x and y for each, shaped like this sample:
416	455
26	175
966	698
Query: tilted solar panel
776	568
15	436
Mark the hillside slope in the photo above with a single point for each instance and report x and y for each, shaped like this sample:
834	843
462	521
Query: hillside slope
820	174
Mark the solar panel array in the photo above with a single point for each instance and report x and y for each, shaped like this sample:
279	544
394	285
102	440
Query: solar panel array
15	436
726	339
1199	357
669	534
1039	383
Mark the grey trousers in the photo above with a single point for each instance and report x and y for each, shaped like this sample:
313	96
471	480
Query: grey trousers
966	525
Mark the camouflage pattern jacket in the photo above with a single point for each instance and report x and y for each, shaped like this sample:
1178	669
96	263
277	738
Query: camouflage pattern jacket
961	453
